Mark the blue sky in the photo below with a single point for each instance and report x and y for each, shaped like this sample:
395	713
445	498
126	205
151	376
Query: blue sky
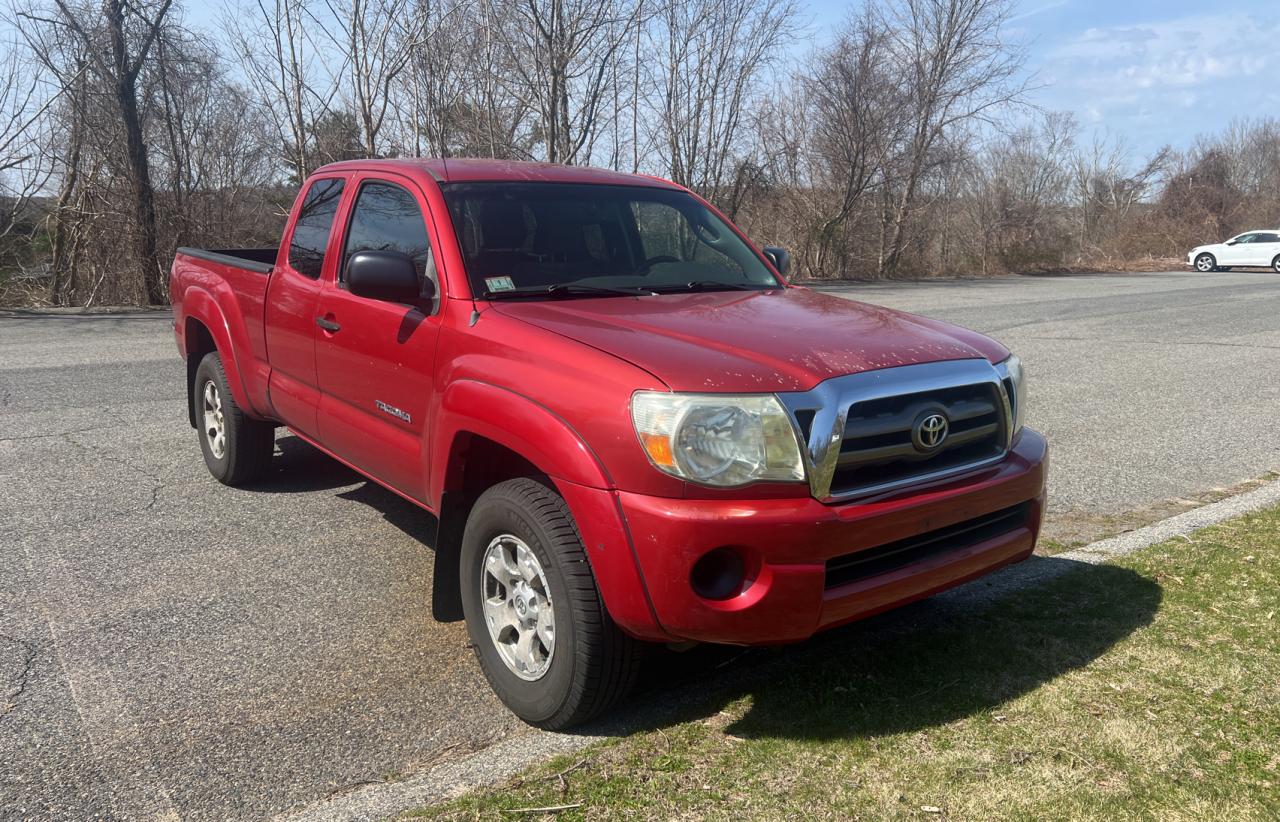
1153	72
1149	71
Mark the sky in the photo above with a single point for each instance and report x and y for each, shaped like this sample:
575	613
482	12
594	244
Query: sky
1155	72
1151	72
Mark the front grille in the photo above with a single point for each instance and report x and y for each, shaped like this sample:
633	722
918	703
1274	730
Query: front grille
881	559
877	448
863	433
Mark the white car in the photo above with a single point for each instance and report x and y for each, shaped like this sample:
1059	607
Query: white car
1249	248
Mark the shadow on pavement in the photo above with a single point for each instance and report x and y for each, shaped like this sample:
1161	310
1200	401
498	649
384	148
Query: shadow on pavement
957	654
921	666
297	468
414	521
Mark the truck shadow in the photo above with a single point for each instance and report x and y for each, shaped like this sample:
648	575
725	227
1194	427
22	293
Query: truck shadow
955	655
298	467
959	654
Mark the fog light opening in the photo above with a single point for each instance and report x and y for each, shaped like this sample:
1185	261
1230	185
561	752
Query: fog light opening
718	574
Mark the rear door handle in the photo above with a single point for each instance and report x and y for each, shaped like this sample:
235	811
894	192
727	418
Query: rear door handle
328	325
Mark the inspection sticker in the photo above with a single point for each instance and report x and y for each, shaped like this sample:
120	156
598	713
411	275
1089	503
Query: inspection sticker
499	283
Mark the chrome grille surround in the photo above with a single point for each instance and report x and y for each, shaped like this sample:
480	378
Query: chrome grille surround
821	417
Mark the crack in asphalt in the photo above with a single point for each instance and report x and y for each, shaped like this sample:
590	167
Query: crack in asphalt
31	650
156	483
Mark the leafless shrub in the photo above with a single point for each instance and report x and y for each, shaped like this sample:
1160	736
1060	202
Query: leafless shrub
902	147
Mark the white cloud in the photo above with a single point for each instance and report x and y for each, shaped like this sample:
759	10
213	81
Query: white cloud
1142	79
1050	6
1174	53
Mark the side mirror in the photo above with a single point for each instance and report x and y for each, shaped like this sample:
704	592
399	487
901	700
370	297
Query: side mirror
780	257
385	275
1232	242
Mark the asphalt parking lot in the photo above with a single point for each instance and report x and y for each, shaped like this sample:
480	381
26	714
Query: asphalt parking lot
171	648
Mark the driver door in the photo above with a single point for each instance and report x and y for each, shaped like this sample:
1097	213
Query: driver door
1236	251
376	360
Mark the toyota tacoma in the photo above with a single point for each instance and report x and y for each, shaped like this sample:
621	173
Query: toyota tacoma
628	425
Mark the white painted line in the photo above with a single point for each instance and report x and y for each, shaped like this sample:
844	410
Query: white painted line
510	756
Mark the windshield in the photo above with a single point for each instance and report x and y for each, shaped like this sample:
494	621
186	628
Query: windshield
544	239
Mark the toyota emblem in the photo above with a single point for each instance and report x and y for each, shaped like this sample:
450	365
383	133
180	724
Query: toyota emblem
930	432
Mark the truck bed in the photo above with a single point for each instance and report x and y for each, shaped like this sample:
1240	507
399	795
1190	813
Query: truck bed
260	260
234	281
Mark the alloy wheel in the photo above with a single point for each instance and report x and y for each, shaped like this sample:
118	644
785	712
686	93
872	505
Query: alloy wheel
215	423
517	607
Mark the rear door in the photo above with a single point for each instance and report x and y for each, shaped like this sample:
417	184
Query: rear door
292	295
375	359
1264	248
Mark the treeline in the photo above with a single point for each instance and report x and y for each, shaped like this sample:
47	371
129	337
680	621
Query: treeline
886	152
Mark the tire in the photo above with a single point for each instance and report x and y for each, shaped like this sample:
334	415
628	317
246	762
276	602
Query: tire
1275	264
590	664
1206	263
243	451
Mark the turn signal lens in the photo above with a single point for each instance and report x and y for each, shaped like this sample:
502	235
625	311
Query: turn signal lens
659	450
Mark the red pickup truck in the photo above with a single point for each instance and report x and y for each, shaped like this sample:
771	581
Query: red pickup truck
629	426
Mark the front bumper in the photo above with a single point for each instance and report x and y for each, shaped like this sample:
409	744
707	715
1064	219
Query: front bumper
787	543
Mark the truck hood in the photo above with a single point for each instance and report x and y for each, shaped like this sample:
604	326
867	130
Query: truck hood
733	341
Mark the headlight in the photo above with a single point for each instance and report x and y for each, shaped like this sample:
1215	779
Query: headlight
718	439
1016	376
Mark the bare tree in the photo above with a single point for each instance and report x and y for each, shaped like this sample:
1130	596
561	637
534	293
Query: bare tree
1107	188
857	117
377	41
24	165
1017	191
715	52
435	81
117	40
954	69
273	42
560	53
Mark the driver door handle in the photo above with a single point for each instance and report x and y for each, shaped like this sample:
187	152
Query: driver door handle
328	325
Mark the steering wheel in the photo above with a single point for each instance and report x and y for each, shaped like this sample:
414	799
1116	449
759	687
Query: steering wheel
652	261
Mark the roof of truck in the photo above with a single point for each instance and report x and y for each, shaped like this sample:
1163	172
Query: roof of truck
468	170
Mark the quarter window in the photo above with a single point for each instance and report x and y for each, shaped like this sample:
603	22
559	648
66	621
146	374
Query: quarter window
311	232
387	218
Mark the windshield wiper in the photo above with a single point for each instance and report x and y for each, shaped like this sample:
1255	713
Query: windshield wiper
568	290
706	285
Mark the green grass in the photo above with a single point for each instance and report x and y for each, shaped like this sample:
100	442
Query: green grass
1148	688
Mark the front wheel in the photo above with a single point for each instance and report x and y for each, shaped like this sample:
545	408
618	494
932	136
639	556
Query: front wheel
1205	263
540	631
1275	264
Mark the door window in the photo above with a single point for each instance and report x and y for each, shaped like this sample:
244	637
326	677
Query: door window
387	218
311	232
